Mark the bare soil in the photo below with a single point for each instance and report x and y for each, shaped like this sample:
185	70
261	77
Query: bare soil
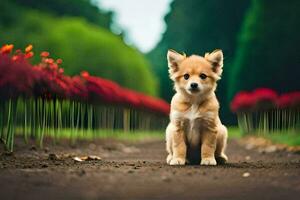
137	170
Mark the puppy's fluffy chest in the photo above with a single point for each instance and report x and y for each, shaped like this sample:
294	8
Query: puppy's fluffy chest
192	122
192	117
192	113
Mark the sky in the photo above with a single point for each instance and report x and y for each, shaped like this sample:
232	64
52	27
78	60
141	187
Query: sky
142	20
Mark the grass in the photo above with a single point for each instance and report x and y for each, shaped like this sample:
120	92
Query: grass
290	138
234	132
129	136
101	133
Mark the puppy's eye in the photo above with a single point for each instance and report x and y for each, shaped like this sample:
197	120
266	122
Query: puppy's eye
186	76
203	76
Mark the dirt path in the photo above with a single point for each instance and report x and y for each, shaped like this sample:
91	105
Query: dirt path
138	171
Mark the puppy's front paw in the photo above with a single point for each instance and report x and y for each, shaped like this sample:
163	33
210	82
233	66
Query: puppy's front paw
169	158
177	161
208	161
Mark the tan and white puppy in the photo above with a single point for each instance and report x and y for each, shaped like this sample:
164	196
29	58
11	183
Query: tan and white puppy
195	133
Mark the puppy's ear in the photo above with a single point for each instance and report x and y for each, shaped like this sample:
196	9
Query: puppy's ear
216	60
174	59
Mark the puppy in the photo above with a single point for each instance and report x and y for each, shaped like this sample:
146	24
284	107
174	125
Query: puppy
195	133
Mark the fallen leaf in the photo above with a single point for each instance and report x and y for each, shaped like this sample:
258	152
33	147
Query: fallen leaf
246	174
86	158
92	157
77	159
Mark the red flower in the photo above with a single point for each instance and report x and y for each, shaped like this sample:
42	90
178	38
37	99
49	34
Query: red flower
154	105
44	54
103	90
49	61
264	94
289	100
59	61
284	101
242	101
84	74
295	99
78	89
29	55
14	58
16	77
47	84
7	49
61	71
264	98
131	98
53	67
28	48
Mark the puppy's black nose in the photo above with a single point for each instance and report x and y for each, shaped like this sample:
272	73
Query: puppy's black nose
194	85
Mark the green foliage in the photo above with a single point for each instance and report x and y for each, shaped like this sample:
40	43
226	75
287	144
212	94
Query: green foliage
267	55
7	16
196	27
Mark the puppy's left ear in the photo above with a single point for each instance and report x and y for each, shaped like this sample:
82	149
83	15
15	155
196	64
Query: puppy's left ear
216	60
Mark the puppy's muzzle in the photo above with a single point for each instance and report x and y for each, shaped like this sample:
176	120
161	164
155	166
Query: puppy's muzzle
194	87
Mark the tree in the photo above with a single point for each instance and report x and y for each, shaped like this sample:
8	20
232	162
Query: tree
267	54
76	8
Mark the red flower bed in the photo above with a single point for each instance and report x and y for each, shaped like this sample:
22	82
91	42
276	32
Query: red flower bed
264	98
47	80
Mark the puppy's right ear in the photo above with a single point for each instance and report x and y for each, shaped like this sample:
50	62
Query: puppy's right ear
174	59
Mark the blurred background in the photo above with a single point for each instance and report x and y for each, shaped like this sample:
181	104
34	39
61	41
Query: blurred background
127	40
